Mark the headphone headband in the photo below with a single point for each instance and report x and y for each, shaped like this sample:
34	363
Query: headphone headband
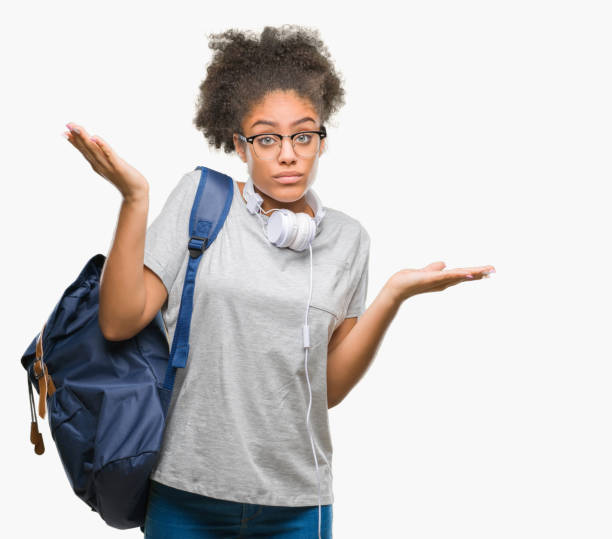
285	228
254	201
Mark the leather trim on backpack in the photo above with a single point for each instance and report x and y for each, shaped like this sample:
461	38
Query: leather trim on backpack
46	387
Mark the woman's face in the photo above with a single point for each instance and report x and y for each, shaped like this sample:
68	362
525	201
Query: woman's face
282	112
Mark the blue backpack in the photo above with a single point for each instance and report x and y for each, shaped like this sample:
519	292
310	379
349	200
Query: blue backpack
108	399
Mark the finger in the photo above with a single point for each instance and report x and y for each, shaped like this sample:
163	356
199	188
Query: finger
453	276
478	272
78	134
477	269
90	150
474	276
104	148
444	279
483	272
71	138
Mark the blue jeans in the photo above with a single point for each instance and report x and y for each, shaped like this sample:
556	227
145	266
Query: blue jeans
178	514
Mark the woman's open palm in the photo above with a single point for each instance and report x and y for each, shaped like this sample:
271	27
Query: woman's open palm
433	277
106	162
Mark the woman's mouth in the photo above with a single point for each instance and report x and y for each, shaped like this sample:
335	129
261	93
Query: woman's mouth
288	179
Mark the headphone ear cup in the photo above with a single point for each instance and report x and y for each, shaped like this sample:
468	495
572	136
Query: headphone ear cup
287	229
306	228
282	228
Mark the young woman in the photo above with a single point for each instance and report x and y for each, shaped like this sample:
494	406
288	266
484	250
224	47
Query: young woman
247	449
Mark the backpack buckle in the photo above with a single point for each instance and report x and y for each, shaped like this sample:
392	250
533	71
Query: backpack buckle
197	245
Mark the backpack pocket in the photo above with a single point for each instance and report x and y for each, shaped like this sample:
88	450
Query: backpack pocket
73	427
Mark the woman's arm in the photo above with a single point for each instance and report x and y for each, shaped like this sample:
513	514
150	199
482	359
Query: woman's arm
124	284
349	359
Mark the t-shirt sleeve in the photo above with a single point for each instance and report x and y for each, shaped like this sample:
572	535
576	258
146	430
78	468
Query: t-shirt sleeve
167	236
356	306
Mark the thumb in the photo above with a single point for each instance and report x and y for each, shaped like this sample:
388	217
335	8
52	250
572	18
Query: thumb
435	266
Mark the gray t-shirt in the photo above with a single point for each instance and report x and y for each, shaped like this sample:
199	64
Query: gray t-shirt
236	425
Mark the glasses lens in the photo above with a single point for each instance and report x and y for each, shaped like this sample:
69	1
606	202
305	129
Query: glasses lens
306	144
266	146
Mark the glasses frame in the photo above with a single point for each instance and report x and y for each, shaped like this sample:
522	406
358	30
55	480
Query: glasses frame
322	134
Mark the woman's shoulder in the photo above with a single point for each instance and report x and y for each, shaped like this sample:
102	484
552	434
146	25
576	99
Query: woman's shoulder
349	224
187	185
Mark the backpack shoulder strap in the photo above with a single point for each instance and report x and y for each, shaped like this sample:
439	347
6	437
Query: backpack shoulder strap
210	208
208	213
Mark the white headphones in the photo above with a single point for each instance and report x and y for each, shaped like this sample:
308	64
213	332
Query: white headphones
295	231
285	228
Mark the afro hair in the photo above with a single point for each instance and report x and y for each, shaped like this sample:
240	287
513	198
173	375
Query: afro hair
245	67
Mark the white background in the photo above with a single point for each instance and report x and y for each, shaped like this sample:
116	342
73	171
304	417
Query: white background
473	133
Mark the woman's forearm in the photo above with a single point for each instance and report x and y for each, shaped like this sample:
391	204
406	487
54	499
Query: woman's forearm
350	359
122	289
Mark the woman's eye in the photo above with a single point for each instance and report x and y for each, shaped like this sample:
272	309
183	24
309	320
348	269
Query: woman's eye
304	138
266	141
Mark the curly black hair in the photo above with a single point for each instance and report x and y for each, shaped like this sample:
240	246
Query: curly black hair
245	67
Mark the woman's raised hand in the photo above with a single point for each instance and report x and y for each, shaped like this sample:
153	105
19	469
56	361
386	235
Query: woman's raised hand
107	163
431	278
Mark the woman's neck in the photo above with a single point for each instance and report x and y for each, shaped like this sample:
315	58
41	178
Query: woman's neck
298	206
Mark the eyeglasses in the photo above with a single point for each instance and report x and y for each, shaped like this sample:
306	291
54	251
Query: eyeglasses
267	146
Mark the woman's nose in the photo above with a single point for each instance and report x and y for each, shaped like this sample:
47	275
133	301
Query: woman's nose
287	153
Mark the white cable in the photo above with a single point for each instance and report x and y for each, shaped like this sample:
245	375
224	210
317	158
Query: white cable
260	218
306	346
306	335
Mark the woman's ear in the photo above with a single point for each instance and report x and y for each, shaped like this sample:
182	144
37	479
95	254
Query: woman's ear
323	147
240	150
